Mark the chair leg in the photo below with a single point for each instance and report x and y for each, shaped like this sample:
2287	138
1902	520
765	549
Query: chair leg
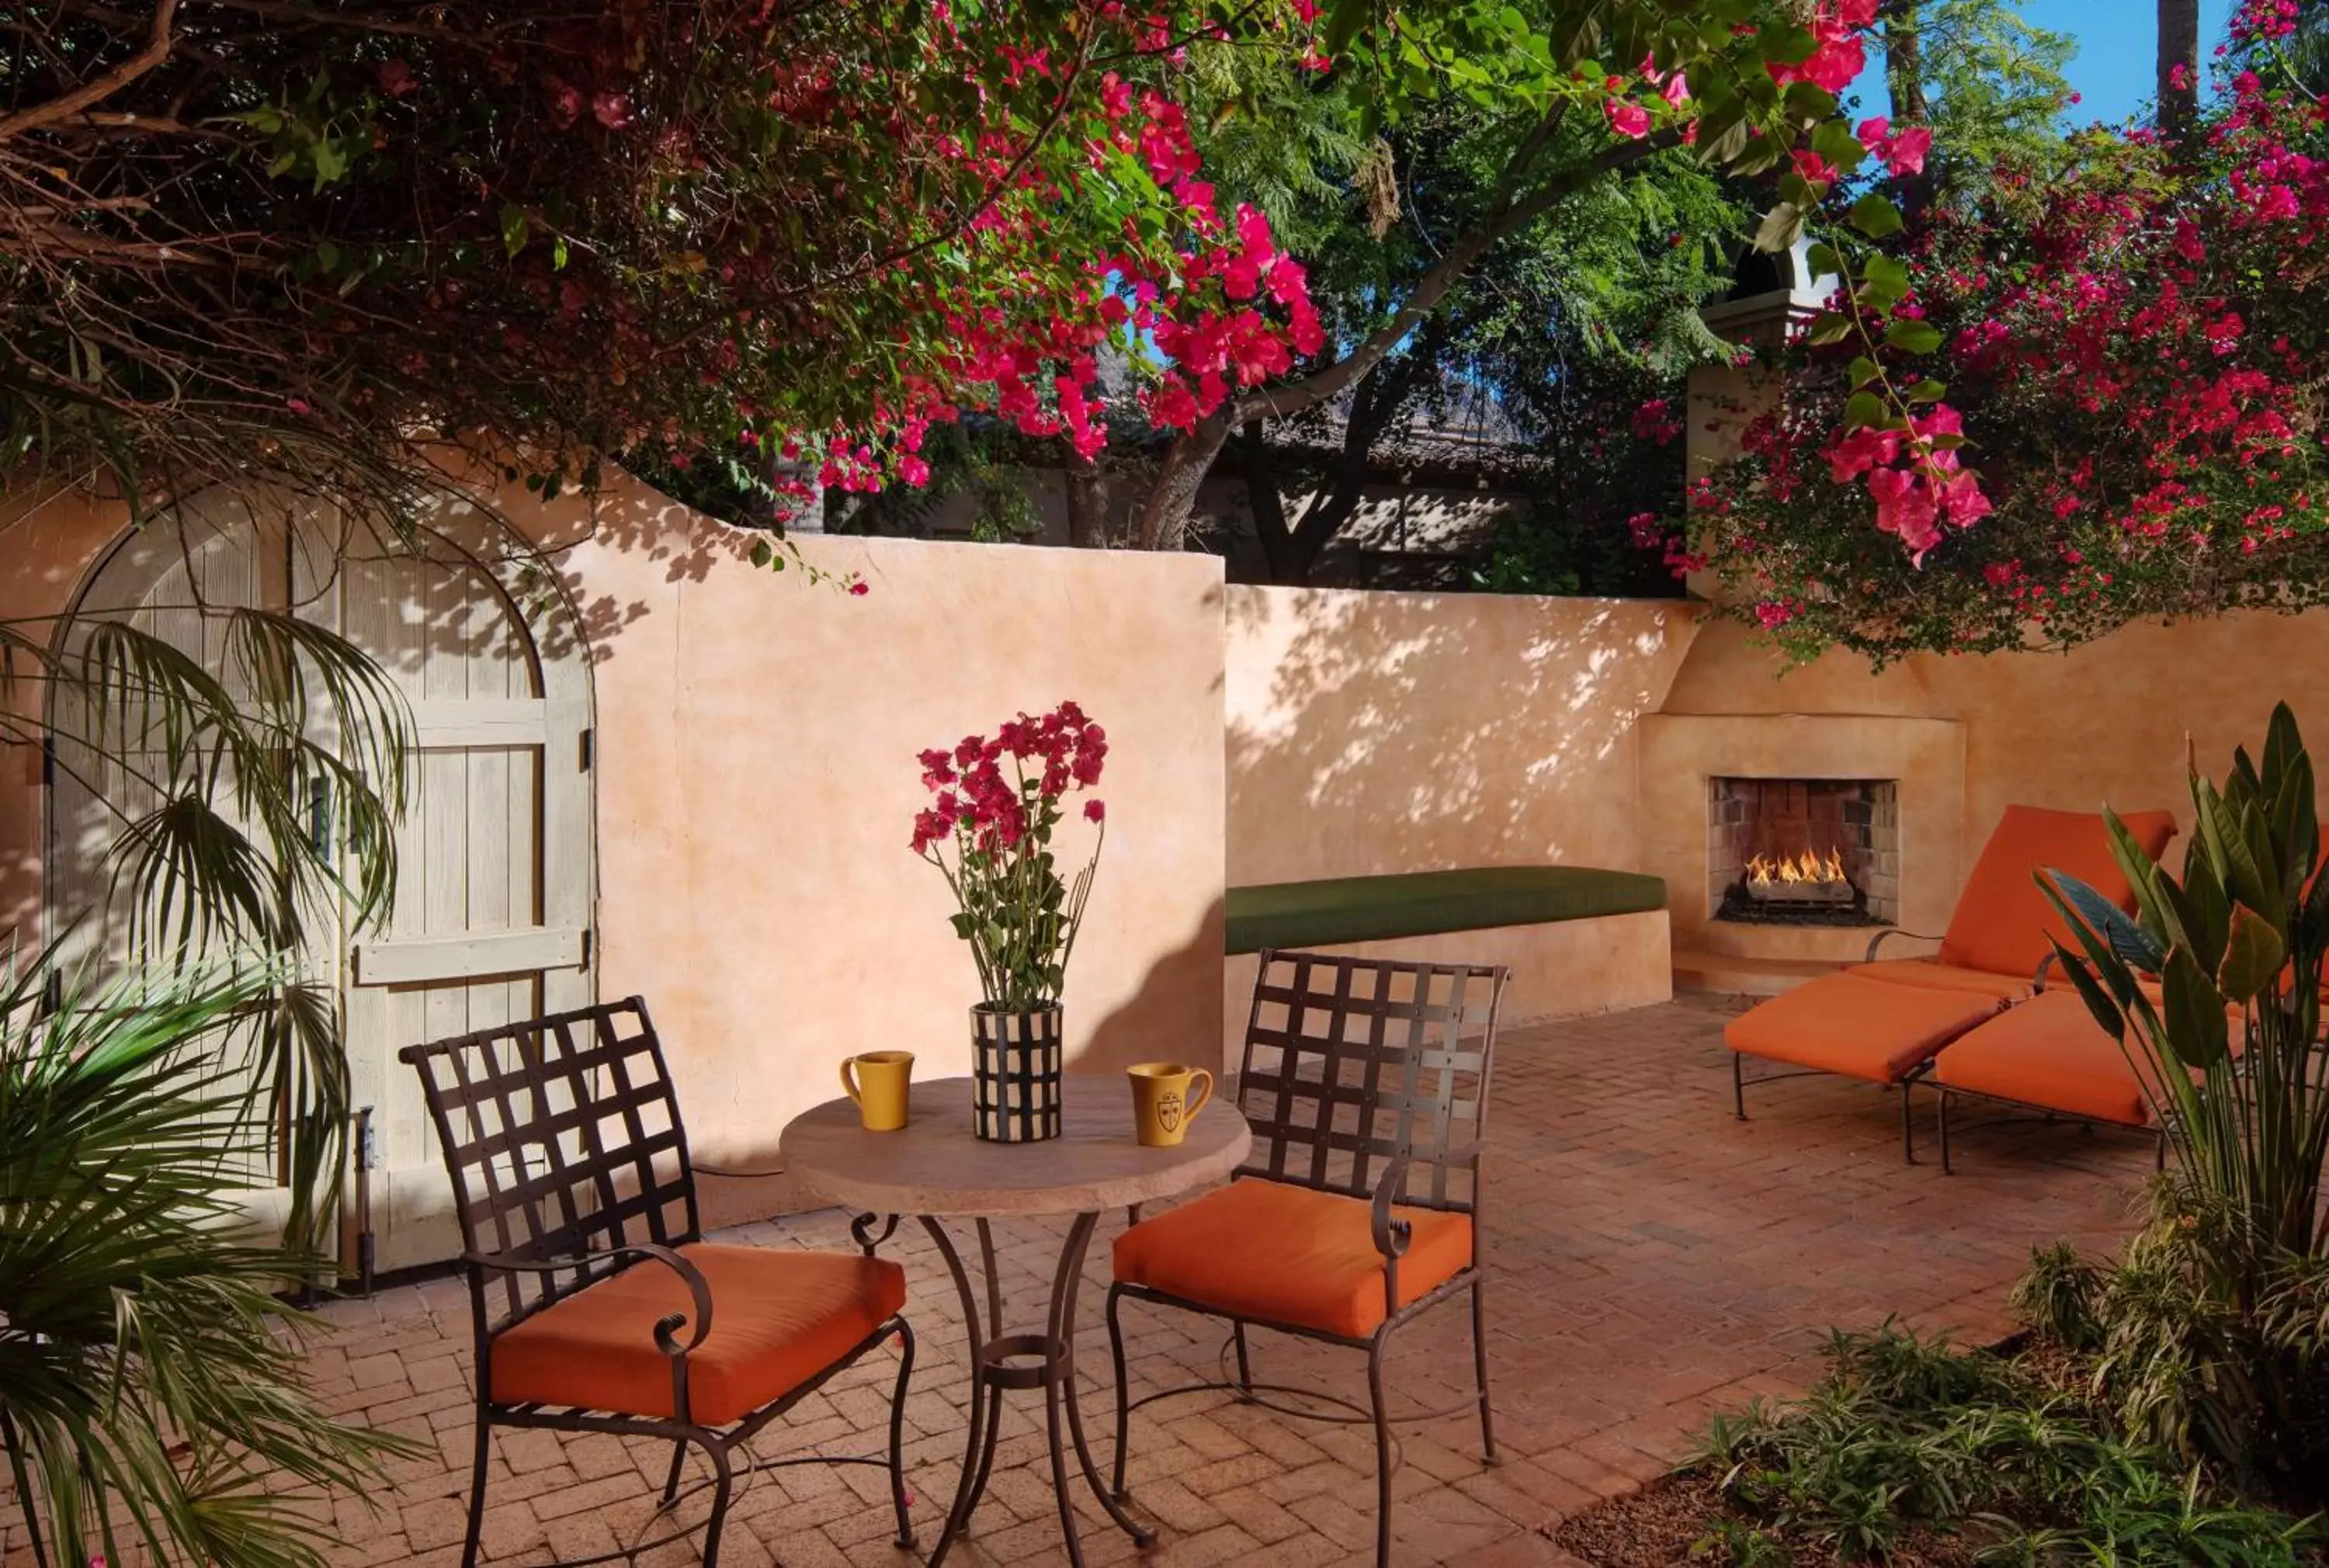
1908	1131
1245	1364
722	1483
898	1495
1123	1387
1737	1087
1480	1366
477	1490
1382	1447
1943	1120
678	1463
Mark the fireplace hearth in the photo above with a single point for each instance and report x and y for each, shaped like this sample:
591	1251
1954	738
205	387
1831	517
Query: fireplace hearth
1802	851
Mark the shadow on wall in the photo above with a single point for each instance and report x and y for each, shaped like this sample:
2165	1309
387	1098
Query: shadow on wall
1131	1034
1389	732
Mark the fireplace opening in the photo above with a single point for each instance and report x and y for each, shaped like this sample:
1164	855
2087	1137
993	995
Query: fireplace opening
1804	851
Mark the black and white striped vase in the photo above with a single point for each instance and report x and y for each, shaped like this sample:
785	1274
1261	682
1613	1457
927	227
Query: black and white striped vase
1016	1057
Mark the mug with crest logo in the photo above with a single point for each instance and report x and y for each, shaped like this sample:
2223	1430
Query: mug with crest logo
1163	1102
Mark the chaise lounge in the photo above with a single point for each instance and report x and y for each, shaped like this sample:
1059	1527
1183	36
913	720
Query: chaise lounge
1885	1021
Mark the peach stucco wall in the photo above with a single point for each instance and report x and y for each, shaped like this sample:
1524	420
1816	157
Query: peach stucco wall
756	785
1374	732
2104	723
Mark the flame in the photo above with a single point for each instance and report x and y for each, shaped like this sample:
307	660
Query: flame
1808	867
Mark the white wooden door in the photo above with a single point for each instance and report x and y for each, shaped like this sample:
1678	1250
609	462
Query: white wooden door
490	922
492	914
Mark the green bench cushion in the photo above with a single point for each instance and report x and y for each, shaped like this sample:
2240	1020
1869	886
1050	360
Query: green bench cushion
1346	909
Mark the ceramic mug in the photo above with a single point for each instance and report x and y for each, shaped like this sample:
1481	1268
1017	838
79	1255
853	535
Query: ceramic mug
877	1081
1162	1102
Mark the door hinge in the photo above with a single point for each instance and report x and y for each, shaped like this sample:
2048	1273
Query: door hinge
587	944
47	762
587	736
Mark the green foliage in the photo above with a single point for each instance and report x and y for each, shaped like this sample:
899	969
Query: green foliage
1995	85
1907	1435
147	1366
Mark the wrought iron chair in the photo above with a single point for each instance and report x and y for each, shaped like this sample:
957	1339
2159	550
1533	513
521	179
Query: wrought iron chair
593	1293
1357	1210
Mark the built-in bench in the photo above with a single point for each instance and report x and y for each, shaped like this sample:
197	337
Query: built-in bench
1579	939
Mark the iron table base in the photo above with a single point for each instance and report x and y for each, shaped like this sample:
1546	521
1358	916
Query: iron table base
1044	1359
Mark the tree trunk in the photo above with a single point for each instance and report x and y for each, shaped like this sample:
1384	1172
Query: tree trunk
1164	520
1904	84
1086	494
2179	45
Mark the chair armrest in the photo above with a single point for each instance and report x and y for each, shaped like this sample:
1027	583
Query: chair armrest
666	1331
1877	941
1391	1233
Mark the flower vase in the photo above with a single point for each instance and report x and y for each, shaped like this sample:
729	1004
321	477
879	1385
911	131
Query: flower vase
1016	1058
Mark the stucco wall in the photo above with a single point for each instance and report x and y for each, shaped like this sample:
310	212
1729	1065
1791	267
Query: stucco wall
2104	723
1386	732
755	786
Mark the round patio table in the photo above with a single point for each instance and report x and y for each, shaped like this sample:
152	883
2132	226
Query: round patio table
936	1169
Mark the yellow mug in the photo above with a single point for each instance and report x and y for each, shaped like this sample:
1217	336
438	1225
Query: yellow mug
1162	1106
878	1086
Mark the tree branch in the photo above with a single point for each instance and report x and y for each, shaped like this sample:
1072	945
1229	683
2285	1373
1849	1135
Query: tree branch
1433	285
66	106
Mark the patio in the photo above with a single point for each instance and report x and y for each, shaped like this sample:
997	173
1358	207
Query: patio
1653	1260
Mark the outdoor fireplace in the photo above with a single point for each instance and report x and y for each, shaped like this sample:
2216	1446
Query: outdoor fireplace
1804	851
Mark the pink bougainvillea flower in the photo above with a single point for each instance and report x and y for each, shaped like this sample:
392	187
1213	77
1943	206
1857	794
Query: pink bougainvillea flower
1627	120
395	78
1094	811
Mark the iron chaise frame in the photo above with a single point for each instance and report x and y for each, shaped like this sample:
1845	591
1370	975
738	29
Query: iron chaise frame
1313	1128
569	1163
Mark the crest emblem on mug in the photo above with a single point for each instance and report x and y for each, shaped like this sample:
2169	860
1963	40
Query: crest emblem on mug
1168	1111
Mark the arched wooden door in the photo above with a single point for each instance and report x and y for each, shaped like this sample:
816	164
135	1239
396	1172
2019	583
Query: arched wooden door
491	916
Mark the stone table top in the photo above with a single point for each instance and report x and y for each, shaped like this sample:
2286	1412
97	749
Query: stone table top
935	1165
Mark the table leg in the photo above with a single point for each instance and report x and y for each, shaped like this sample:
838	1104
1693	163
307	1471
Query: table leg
1064	1287
982	1432
1025	1361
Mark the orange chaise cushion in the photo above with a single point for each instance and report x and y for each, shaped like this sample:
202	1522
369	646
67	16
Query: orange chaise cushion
1284	1253
778	1319
2003	920
1858	1027
1935	975
2052	1054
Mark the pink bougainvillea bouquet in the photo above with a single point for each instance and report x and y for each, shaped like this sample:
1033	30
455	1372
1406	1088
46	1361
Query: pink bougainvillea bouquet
988	830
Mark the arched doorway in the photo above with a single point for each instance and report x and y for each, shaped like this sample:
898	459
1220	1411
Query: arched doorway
491	918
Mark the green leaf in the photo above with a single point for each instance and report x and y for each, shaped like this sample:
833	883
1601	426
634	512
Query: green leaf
1862	370
2253	954
2192	1016
1875	217
514	229
1861	409
1912	336
1780	227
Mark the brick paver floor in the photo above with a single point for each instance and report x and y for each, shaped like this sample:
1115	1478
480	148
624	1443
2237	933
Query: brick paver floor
1651	1259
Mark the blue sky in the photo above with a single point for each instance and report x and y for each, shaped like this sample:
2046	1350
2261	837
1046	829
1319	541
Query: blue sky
2113	68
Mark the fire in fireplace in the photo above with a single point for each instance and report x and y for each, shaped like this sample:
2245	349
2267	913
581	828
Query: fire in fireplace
1804	851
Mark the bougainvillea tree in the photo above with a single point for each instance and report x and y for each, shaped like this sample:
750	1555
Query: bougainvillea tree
270	237
2136	361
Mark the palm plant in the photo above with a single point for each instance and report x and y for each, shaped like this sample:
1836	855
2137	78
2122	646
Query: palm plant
151	1379
2241	938
2212	1334
238	797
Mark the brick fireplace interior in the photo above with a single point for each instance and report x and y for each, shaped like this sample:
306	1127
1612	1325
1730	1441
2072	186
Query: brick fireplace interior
1800	851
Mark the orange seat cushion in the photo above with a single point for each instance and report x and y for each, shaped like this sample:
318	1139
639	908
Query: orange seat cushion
2052	1054
2003	920
1858	1027
1282	1254
1938	976
778	1319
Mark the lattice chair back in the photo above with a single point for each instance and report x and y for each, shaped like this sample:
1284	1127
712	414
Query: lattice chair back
562	1137
1351	1063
